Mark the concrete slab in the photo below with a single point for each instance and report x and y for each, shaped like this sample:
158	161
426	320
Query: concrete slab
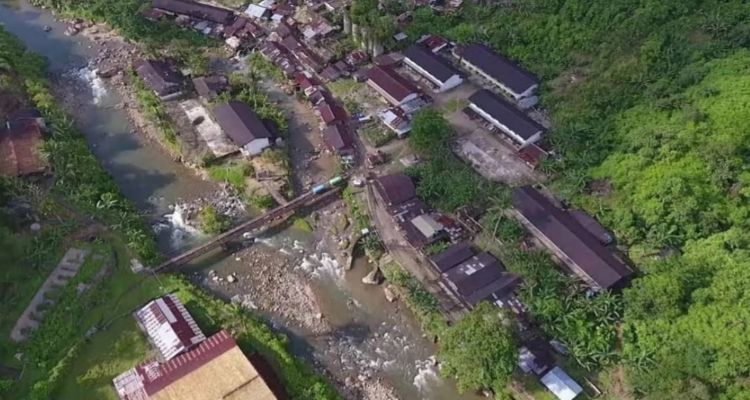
65	270
493	159
219	144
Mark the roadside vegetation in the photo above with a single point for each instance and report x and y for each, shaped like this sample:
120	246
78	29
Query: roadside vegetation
653	142
153	108
211	221
124	16
443	181
87	336
480	350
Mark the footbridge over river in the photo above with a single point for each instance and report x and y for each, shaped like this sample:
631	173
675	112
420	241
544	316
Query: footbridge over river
277	214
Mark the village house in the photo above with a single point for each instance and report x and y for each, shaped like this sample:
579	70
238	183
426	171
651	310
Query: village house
161	77
395	189
504	116
356	58
412	218
437	70
210	87
339	140
331	113
474	278
579	242
503	73
242	32
20	144
244	127
533	155
317	30
258	12
396	120
433	43
561	384
395	88
215	369
168	326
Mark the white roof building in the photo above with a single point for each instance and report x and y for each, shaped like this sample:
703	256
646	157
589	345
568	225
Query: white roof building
561	385
256	11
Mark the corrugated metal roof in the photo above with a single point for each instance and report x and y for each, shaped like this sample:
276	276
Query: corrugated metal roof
240	123
499	67
561	385
216	369
474	273
159	76
169	326
571	238
338	138
395	189
434	64
392	83
451	257
505	113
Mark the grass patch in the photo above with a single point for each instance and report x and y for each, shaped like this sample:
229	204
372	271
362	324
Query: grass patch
234	173
301	224
107	355
454	105
377	135
419	300
153	108
344	88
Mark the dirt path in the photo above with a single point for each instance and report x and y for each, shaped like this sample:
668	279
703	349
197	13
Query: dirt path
311	161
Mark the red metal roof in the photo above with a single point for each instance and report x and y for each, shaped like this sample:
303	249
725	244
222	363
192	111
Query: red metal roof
149	378
390	82
339	139
169	326
331	113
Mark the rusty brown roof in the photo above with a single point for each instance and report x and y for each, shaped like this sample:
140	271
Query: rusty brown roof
596	261
160	76
20	143
395	189
392	82
240	123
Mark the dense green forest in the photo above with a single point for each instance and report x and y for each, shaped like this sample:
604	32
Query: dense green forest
650	102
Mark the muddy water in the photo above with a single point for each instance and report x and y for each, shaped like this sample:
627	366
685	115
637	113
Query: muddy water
371	337
143	173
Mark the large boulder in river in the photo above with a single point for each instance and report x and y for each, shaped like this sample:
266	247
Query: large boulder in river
374	277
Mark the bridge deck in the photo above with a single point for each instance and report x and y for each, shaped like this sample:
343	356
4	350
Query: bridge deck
280	211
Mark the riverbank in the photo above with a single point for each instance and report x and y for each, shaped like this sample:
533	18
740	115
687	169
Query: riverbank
80	180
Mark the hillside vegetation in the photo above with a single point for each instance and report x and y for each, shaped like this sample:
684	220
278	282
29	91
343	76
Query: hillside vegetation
650	101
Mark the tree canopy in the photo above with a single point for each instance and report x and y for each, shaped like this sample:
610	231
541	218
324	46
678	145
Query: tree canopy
650	102
480	350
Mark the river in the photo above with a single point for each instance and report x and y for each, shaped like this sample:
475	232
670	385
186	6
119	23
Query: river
369	335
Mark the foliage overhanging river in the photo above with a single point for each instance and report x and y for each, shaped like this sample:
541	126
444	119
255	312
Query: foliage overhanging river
365	327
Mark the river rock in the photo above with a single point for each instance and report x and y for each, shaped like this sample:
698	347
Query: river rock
390	294
71	31
231	278
108	72
343	244
342	222
47	28
374	277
